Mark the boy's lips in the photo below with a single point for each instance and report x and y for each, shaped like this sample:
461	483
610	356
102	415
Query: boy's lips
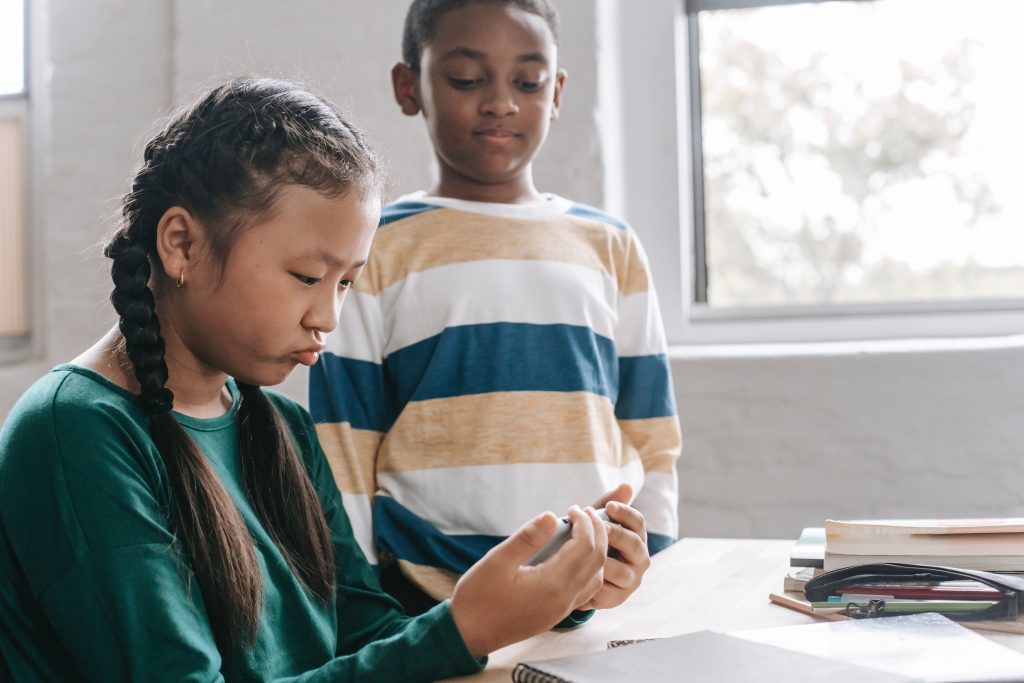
496	135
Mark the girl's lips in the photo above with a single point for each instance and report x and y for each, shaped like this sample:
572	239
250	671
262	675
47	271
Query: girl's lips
307	358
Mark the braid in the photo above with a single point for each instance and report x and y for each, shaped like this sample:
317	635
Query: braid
273	467
206	521
133	301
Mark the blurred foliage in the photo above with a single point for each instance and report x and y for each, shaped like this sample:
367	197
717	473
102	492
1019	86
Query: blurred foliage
805	163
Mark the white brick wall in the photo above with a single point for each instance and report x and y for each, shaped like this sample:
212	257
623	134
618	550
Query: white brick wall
771	443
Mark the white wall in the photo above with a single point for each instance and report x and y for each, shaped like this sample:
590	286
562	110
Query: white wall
783	438
775	439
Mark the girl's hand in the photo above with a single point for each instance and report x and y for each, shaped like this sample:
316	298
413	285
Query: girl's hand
629	559
499	601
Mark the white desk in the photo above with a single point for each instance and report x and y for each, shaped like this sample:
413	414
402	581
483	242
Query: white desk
699	583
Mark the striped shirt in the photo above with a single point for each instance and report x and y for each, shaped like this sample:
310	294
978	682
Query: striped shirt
492	362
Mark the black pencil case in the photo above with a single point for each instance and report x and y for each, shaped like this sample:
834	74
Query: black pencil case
1010	606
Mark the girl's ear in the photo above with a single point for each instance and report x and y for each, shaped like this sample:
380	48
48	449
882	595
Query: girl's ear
176	235
404	82
557	98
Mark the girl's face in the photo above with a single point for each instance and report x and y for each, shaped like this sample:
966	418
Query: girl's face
280	291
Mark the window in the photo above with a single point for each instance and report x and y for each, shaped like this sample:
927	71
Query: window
13	114
856	153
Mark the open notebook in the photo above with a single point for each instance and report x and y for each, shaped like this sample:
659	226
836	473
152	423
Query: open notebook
921	647
701	656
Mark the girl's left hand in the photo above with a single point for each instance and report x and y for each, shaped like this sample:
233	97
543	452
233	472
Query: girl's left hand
628	558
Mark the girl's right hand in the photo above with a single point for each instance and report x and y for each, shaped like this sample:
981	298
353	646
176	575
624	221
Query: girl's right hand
499	601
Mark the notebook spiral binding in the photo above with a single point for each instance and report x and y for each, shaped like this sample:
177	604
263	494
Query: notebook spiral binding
524	673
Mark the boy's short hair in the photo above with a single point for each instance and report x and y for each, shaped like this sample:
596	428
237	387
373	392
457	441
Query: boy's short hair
421	22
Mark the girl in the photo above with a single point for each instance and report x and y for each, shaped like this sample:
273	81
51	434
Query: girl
162	517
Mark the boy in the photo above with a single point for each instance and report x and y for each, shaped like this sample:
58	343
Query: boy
503	352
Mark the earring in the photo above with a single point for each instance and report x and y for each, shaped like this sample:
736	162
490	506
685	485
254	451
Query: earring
181	279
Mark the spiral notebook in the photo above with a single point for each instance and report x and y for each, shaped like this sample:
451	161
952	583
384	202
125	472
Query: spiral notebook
701	656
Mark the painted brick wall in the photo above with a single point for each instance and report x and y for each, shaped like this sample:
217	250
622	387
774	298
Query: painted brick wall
773	443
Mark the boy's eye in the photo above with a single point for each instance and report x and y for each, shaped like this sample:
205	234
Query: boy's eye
530	86
462	83
344	284
306	280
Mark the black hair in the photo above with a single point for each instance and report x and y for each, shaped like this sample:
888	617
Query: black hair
423	15
226	159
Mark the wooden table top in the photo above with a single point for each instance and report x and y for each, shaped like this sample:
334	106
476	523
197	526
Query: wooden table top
698	583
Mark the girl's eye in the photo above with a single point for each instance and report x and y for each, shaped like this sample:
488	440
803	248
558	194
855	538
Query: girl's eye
462	83
344	284
310	281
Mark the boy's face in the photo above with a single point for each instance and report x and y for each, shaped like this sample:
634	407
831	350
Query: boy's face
488	89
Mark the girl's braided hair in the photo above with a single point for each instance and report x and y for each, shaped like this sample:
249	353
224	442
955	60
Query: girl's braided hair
226	159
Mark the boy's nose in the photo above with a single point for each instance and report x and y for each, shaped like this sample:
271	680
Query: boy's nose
500	102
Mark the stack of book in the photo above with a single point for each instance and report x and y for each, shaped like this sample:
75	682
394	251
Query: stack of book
995	545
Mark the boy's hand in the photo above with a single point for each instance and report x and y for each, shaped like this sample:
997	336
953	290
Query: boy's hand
629	559
499	601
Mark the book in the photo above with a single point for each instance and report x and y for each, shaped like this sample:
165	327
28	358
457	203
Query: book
896	606
928	646
809	549
991	544
795	600
700	656
1006	564
980	525
797	577
922	590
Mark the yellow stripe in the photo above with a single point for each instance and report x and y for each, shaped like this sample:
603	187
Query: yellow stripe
657	440
504	428
446	236
436	582
351	454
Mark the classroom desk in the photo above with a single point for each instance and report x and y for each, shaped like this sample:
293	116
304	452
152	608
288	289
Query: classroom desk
698	583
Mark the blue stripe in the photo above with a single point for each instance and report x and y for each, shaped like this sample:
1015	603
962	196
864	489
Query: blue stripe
397	211
658	542
346	390
476	359
589	212
645	388
410	537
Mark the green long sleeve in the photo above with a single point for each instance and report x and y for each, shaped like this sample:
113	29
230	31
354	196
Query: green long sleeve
93	587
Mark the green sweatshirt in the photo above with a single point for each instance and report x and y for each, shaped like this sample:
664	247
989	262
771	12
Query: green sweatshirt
92	585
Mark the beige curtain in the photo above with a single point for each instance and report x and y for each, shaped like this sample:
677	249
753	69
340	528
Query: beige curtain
12	260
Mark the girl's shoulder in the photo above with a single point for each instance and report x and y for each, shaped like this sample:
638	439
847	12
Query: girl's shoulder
298	419
70	393
71	420
289	408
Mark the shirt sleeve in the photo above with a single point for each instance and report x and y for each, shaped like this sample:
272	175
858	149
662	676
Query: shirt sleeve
375	639
645	407
349	402
123	603
88	525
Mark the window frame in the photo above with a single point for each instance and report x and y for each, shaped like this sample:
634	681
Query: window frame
19	105
668	226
